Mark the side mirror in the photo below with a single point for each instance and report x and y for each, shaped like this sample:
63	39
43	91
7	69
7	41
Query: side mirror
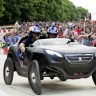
71	40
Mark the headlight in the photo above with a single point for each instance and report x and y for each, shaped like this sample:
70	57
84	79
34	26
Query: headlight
53	53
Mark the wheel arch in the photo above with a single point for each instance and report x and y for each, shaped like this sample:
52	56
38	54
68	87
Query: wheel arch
41	58
12	57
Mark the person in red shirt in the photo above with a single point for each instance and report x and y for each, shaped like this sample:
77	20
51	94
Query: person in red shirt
77	29
60	33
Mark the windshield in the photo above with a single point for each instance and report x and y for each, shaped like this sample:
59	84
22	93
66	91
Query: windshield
57	42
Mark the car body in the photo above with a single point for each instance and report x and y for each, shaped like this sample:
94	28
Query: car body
56	57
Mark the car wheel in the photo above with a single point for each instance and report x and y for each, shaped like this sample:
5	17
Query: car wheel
61	78
41	78
8	71
94	77
34	77
51	77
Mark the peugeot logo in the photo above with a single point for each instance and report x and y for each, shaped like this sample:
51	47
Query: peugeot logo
80	58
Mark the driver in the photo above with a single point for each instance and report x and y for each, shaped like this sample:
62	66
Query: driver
33	36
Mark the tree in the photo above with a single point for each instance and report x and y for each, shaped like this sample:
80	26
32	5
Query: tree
1	8
11	13
39	10
81	12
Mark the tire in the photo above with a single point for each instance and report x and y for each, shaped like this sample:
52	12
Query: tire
41	78
94	77
8	71
51	77
62	78
34	77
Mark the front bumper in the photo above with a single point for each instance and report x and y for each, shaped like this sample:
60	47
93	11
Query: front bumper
75	75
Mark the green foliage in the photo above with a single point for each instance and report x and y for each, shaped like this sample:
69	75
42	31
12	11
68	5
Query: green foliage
39	10
1	8
82	12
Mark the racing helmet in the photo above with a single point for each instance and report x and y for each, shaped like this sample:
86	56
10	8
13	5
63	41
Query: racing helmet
34	29
52	31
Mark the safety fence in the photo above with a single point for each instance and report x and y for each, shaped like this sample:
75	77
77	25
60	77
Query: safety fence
6	29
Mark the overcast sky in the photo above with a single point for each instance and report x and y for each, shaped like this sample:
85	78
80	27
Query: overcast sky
87	4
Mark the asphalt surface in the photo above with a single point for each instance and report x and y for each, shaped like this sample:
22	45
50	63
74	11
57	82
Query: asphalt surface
20	86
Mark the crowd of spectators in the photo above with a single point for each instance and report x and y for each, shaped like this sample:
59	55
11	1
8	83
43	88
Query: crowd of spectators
83	30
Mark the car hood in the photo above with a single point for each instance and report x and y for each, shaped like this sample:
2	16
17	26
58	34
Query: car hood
71	49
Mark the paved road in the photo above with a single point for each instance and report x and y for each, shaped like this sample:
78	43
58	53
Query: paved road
20	86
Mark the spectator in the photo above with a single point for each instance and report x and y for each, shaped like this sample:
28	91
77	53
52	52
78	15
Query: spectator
13	39
16	36
60	33
88	17
77	29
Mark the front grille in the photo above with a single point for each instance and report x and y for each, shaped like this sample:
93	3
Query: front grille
79	58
